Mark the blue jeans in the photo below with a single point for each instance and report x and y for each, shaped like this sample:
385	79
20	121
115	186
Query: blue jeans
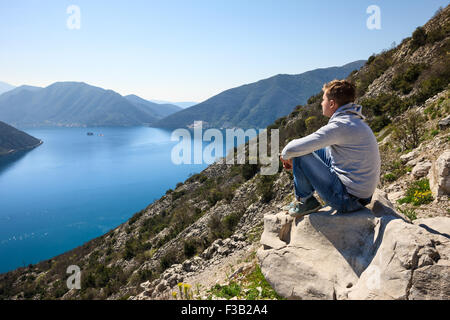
314	172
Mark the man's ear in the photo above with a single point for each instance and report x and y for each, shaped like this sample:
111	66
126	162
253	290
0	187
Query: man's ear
334	106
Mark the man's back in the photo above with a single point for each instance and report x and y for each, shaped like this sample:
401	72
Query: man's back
352	146
355	158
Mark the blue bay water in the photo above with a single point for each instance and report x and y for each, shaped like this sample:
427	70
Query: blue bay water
76	187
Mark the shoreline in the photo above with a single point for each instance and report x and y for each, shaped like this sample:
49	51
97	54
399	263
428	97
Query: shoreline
12	151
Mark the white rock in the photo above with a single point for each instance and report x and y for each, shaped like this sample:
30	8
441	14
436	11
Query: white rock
359	255
409	156
439	175
421	169
394	196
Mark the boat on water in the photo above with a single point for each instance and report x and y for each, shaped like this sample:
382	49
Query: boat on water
90	133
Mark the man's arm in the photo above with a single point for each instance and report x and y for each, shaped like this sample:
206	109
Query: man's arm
325	136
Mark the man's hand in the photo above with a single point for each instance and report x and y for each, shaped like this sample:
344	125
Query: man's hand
287	164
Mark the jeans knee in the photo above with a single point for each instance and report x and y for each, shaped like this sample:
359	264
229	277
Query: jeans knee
301	159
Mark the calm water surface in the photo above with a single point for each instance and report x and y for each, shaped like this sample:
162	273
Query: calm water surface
76	187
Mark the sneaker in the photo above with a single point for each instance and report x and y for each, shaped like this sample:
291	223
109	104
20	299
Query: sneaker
290	206
302	209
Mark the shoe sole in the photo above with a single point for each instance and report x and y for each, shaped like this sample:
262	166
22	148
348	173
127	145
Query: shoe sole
302	214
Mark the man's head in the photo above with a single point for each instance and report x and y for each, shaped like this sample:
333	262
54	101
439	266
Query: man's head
336	94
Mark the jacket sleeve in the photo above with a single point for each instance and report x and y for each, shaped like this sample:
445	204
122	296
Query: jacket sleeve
326	136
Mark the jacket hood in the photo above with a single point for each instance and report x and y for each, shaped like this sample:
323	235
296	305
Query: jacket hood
350	108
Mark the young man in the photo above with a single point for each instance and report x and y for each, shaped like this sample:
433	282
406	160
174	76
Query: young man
340	161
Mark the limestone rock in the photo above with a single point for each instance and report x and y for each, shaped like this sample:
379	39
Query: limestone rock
439	175
405	248
430	283
421	169
381	206
323	256
409	156
359	255
276	230
444	123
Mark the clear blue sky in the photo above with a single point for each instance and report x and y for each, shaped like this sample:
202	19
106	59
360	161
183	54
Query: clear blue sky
190	50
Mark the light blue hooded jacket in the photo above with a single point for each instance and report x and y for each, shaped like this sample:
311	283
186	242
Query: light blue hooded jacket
352	147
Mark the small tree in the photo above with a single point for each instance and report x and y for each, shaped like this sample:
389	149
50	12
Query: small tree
409	129
419	38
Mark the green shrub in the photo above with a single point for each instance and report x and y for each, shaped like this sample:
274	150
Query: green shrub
191	246
130	250
135	246
249	170
145	274
155	224
410	213
223	228
231	221
385	105
216	228
418	193
312	124
178	194
377	66
429	87
264	187
168	259
214	197
135	217
233	289
100	276
315	98
256	279
379	122
390	177
404	80
419	38
434	132
371	59
436	35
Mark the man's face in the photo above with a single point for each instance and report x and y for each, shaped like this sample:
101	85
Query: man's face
328	106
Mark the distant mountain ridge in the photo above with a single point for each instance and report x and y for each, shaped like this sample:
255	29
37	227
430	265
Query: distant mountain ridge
12	140
77	104
159	110
260	103
4	87
183	104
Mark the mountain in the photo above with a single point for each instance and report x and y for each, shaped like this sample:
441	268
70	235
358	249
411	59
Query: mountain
4	87
76	104
205	234
183	105
12	140
257	104
158	110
